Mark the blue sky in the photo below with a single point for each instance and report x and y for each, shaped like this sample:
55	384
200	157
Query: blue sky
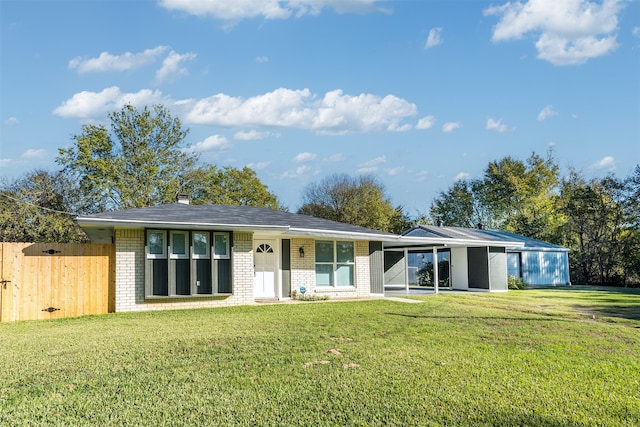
416	93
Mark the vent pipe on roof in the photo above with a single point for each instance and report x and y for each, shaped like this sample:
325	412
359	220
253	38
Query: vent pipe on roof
439	223
480	226
183	199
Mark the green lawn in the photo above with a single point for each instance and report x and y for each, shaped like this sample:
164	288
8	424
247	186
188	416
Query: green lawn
557	357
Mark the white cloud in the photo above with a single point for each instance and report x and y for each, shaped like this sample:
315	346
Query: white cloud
11	121
421	176
394	171
426	122
109	62
214	142
635	31
569	32
451	126
32	157
551	144
607	163
86	105
252	135
335	113
33	154
305	157
258	165
338	157
235	11
262	59
374	162
371	166
298	172
461	176
172	67
434	38
497	125
546	113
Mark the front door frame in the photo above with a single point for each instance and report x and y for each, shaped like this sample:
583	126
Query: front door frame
275	245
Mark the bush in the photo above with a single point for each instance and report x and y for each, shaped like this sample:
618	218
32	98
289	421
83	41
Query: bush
516	283
307	297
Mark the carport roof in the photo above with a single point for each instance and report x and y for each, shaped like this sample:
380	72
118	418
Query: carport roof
478	236
429	236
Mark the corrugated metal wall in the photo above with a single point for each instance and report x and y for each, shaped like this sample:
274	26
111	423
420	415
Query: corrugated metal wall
545	268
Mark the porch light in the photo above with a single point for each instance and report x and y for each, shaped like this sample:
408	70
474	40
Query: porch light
301	251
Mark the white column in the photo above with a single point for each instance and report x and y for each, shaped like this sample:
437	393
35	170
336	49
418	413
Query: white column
436	279
406	270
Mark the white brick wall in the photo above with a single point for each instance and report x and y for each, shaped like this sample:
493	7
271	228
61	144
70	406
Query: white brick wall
130	271
303	270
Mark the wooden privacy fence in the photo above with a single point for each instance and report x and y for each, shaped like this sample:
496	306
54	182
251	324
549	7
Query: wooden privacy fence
50	281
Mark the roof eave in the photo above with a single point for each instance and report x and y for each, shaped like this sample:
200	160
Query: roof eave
115	223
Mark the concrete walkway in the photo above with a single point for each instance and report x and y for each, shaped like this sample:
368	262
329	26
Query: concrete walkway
400	299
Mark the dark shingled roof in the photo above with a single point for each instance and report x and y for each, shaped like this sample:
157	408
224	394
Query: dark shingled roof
222	216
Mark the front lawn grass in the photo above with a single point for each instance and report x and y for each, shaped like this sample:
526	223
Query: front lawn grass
538	357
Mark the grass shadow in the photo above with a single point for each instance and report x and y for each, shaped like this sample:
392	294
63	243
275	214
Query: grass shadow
631	312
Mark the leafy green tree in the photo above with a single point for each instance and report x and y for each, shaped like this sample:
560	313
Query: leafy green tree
460	206
38	207
512	195
139	162
231	186
353	200
522	196
596	228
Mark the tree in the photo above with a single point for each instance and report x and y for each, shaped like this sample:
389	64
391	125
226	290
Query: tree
522	195
596	227
230	186
631	254
139	163
38	207
359	201
460	206
512	195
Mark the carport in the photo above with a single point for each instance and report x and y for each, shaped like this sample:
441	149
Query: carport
478	262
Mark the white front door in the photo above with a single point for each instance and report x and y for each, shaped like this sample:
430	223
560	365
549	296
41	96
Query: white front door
265	262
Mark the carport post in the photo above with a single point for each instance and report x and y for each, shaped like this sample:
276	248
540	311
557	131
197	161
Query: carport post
406	270
436	279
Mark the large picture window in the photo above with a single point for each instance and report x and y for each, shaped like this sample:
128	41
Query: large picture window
335	263
182	263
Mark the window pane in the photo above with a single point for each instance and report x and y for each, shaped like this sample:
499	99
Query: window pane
178	243
324	251
324	275
221	244
344	275
156	243
200	243
345	251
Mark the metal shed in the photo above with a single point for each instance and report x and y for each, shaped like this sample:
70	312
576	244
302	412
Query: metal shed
536	262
